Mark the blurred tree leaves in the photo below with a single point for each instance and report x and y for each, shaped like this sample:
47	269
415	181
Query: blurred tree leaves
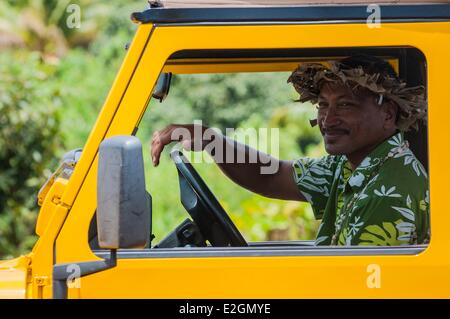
29	126
225	100
41	25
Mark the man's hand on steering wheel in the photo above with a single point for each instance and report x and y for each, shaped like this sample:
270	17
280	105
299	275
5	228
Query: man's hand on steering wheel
190	136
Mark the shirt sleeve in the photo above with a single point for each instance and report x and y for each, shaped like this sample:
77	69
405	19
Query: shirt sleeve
314	178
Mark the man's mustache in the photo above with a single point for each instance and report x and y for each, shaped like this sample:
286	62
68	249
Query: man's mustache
335	130
314	122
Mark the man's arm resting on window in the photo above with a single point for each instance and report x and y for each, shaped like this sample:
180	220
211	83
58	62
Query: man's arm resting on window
265	175
246	166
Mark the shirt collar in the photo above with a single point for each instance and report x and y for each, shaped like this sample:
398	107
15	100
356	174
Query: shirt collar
357	179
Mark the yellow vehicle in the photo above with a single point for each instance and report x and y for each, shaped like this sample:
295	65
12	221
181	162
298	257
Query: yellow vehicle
189	37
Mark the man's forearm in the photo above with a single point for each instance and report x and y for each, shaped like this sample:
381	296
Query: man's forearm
244	165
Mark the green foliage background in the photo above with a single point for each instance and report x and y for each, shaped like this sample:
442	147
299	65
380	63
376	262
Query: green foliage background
53	82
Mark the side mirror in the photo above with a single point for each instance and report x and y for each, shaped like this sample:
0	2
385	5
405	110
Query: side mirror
123	205
123	208
162	86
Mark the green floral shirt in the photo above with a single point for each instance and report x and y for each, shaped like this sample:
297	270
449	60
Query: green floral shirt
383	202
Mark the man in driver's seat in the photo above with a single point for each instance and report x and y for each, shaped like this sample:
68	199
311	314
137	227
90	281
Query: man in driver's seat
370	189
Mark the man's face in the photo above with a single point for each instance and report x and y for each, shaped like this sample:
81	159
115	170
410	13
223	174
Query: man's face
351	123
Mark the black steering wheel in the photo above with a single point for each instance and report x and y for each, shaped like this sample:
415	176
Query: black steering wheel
213	222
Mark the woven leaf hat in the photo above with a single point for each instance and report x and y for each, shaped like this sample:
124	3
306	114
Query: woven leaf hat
370	73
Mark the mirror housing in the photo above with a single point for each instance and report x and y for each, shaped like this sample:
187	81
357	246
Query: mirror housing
123	205
123	208
162	86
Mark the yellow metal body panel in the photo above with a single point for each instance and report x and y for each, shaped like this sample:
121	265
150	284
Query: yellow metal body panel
52	199
424	275
13	278
226	65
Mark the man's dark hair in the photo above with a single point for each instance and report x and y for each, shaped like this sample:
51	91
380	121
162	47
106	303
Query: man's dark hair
370	64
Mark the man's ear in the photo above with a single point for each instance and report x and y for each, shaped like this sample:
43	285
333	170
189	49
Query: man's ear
390	109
